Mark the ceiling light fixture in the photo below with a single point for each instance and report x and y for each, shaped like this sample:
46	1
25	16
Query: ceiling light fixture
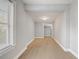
44	18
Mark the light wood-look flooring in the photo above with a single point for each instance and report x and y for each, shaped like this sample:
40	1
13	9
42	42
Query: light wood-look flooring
45	48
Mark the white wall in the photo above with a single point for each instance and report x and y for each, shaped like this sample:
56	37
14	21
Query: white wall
66	28
60	29
71	28
74	27
67	14
43	29
39	29
24	31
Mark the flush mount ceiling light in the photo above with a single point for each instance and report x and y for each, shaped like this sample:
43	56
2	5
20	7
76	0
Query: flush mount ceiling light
44	18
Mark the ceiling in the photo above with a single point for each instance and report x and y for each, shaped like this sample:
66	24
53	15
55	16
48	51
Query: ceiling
48	8
36	16
46	1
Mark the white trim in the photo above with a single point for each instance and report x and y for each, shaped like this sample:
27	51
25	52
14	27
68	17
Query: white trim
6	49
40	37
23	50
66	50
61	45
11	18
19	54
73	53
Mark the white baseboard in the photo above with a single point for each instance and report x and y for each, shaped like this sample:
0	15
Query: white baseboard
20	53
73	53
66	50
23	50
61	45
40	37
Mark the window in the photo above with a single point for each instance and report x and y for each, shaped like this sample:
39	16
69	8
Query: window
3	28
6	25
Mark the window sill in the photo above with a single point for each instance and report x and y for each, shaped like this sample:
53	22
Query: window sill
5	48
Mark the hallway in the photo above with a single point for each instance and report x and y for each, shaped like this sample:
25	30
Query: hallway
38	29
45	48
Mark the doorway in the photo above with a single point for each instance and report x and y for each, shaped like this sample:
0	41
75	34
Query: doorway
47	31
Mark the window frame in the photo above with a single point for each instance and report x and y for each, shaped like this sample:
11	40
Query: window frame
11	29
